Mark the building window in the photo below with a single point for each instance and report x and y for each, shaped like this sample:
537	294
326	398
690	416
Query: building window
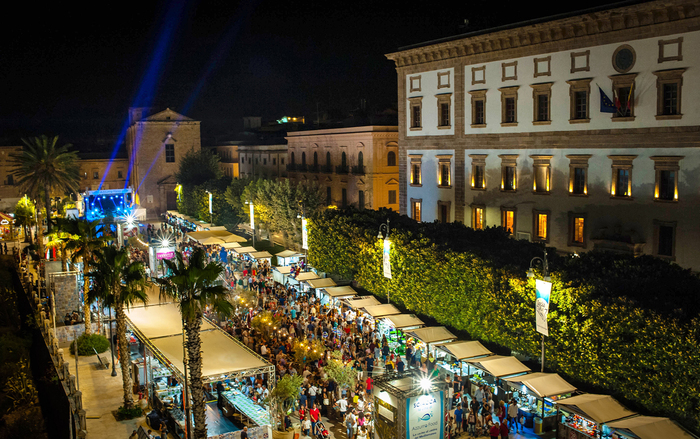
508	219
578	174
344	197
391	158
444	170
577	229
415	169
444	103
621	176
10	180
579	98
392	197
509	177
478	221
274	161
443	211
623	96
361	199
509	106
170	153
668	94
665	239
95	175
416	209
329	198
541	225
416	109
542	173
120	174
478	171
666	169
541	97
478	108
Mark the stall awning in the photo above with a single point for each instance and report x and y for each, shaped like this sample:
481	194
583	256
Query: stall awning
211	240
220	354
544	384
288	254
320	283
242	250
363	301
598	408
285	269
650	427
500	366
226	236
404	321
307	276
344	291
230	245
463	350
261	255
433	334
378	311
212	228
159	321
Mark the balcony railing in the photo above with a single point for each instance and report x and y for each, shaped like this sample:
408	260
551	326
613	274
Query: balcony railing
342	169
327	169
358	170
302	167
313	169
291	167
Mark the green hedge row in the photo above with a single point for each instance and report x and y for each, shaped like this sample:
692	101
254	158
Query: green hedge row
621	325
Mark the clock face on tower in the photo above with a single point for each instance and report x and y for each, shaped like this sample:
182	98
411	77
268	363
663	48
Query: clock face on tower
624	58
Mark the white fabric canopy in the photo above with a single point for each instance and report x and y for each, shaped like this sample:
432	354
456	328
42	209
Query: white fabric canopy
285	269
211	240
320	283
261	255
230	245
242	250
159	321
217	228
307	276
432	334
362	301
500	366
404	321
544	384
288	254
377	311
466	349
650	427
344	291
220	354
598	408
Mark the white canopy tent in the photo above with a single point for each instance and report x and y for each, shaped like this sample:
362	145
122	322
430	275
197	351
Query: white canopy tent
404	321
159	320
544	385
650	427
307	276
217	228
340	292
320	283
261	255
598	408
378	311
244	250
432	335
230	245
500	366
362	301
463	350
288	257
279	274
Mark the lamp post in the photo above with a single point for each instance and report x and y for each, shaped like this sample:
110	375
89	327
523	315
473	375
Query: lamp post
111	341
252	219
304	236
386	254
548	286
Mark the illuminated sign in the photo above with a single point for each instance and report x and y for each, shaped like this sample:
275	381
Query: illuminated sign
425	417
542	291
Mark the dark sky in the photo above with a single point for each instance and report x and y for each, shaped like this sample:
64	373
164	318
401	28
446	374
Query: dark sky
75	71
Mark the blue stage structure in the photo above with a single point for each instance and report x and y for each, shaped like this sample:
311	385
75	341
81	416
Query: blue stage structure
108	202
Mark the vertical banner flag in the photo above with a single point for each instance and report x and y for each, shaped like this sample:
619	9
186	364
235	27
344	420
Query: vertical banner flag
542	292
425	418
304	235
210	199
385	260
252	217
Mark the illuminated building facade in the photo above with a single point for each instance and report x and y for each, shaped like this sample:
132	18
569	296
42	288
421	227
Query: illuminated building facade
508	128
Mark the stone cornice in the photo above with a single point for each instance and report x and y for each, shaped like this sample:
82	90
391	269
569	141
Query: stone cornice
525	38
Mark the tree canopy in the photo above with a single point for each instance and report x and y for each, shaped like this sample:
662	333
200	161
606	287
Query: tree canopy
198	167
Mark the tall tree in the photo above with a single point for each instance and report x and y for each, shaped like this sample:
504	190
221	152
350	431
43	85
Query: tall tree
24	216
43	167
83	242
198	167
120	283
193	287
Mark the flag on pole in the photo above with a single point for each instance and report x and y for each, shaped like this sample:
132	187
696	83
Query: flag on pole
606	105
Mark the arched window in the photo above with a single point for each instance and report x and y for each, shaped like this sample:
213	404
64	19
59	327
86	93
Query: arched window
292	158
328	159
344	160
303	158
360	160
315	158
391	159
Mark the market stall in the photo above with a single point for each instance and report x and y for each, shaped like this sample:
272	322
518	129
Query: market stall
302	278
288	257
582	416
280	274
648	427
360	302
319	283
426	340
490	370
262	256
391	324
536	394
378	311
452	356
339	293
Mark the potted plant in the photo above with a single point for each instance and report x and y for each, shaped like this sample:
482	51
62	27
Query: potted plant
282	399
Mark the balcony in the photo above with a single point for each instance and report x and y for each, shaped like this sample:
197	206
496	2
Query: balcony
302	167
328	169
291	167
314	169
342	169
358	170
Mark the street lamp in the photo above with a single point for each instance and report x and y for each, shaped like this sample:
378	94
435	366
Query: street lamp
252	219
386	254
304	235
542	300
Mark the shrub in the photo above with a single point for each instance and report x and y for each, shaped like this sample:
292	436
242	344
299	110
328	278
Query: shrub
86	344
124	414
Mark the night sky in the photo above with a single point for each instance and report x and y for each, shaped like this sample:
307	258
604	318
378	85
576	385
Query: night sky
75	71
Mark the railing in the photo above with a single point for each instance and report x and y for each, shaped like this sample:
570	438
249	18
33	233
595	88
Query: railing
358	170
327	169
342	169
313	169
291	167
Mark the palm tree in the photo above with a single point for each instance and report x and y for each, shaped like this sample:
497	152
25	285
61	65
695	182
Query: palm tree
83	242
120	283
44	167
193	287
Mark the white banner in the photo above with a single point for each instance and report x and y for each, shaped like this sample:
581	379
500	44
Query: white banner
386	259
252	217
425	418
304	235
542	292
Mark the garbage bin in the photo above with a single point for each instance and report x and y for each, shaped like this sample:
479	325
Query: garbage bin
538	425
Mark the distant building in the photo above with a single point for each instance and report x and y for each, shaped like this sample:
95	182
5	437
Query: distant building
508	128
228	160
93	168
263	161
355	166
9	191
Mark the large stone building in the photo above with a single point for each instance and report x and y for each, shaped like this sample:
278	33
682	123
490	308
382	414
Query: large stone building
509	128
356	166
228	159
9	191
263	161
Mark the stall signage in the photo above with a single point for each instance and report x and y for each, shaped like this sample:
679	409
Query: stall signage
252	217
425	416
304	235
543	290
386	259
165	255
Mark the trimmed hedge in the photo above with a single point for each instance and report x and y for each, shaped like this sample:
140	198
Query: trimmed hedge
620	325
86	343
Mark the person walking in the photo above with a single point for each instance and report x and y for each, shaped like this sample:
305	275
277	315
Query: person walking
350	424
513	414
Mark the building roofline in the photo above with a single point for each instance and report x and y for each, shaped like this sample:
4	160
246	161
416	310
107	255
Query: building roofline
348	130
